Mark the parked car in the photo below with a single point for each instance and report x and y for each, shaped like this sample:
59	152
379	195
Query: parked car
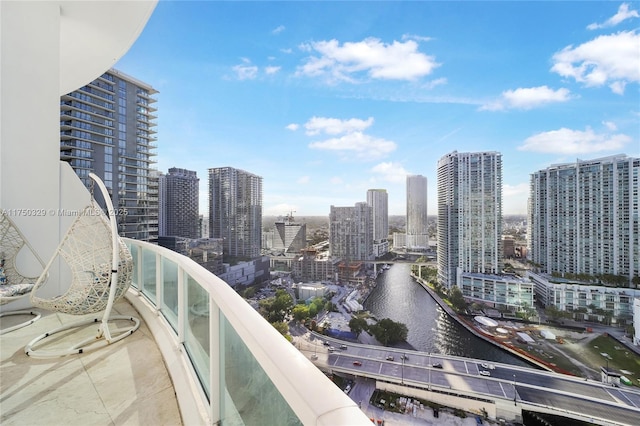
357	363
389	358
343	346
437	365
484	373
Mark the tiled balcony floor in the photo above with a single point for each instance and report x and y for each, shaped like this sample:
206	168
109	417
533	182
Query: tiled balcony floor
121	384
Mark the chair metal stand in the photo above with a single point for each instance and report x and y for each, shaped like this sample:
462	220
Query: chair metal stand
101	268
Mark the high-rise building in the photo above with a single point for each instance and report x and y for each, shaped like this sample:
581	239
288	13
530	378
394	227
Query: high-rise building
470	244
182	203
378	200
469	214
235	211
289	236
351	232
583	218
417	225
107	127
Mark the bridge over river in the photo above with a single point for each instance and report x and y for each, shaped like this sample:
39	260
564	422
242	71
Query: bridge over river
504	390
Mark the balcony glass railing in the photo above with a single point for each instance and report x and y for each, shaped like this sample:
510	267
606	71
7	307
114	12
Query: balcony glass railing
246	371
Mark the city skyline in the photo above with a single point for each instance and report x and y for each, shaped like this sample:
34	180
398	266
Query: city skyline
328	100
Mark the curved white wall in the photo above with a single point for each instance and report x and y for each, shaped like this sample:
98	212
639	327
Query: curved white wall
48	49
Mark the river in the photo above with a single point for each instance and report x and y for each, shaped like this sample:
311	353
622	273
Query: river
398	297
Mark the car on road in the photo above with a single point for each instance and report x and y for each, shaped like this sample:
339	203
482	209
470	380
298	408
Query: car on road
437	365
484	365
484	373
331	349
326	343
389	358
343	347
357	363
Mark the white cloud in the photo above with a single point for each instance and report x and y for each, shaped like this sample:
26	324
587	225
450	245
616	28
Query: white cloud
617	87
514	190
613	59
514	200
303	180
415	37
336	180
293	127
527	98
246	71
335	126
357	145
390	172
375	59
287	51
568	141
271	69
278	29
434	83
610	125
623	14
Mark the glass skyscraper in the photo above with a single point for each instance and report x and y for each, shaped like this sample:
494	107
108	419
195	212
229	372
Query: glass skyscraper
417	225
469	215
378	199
235	211
107	127
583	217
181	189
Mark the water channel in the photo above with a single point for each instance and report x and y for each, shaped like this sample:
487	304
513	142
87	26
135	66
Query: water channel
398	297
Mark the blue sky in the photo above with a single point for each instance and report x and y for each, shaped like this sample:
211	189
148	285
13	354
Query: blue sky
325	100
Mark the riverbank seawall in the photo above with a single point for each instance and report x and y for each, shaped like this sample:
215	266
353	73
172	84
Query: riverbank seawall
474	331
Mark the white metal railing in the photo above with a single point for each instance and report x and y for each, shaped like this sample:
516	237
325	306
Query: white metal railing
239	370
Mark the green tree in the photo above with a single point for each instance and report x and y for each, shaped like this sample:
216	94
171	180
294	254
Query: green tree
249	293
282	327
358	325
300	312
388	332
457	299
313	310
553	312
276	309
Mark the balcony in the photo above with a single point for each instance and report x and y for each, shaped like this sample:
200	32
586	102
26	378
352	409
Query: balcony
225	362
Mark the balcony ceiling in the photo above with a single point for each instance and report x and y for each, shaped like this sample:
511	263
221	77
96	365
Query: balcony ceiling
85	25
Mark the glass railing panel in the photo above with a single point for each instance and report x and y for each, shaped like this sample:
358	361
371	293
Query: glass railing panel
149	274
170	292
133	249
255	398
196	337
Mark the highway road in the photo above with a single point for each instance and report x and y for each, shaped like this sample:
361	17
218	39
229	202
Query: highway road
483	378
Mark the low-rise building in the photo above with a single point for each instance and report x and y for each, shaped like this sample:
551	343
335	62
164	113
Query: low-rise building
594	301
313	265
305	291
500	291
245	273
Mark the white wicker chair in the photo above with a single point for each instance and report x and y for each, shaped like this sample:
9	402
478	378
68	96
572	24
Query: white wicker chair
13	284
101	272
